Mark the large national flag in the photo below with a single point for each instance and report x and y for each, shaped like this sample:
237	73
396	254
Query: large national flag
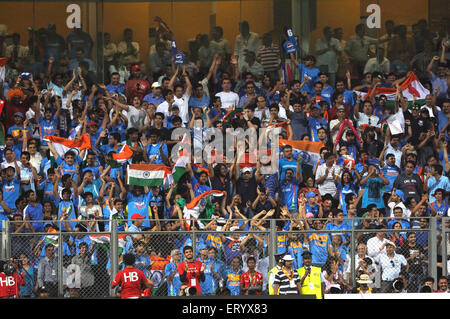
124	154
411	88
147	174
309	151
179	168
193	210
63	145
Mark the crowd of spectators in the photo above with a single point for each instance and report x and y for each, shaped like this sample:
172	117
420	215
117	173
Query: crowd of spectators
389	181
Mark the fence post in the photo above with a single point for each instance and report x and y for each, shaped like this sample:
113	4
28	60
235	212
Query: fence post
432	244
4	244
272	243
60	264
113	251
444	246
352	280
194	243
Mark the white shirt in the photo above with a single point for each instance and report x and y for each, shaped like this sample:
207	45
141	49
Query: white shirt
390	267
406	211
371	120
228	99
135	116
282	112
164	108
373	65
183	105
374	245
328	186
328	58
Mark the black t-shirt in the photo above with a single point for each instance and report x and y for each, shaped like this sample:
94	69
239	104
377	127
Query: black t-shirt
247	190
410	186
415	263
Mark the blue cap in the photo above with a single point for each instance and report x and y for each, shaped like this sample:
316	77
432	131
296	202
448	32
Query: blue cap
310	195
372	161
400	193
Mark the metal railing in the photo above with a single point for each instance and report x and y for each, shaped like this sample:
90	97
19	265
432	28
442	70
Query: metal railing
103	265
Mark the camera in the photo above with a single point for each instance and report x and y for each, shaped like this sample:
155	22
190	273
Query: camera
190	291
25	75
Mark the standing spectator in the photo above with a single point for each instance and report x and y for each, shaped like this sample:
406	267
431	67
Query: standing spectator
440	79
328	175
435	180
391	265
245	41
83	260
327	50
308	72
269	57
54	44
221	45
130	280
228	98
251	281
415	256
409	182
287	280
26	290
159	60
78	39
128	49
311	278
232	276
401	42
172	275
137	84
378	64
191	271
48	271
16	52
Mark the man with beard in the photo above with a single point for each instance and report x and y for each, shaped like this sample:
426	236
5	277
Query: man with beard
408	182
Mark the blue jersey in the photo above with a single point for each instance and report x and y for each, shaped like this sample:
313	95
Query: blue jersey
315	124
318	246
47	128
173	286
312	74
390	173
47	187
233	281
295	249
284	164
67	169
209	286
198	189
11	191
36	215
327	94
289	194
69	209
154	153
344	190
139	205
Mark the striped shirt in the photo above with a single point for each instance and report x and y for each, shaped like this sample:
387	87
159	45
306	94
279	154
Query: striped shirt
287	282
269	57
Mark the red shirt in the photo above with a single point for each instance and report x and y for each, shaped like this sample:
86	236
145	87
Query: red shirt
192	273
131	281
9	285
251	280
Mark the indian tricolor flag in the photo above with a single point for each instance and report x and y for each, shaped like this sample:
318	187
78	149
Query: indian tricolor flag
105	239
309	151
63	145
124	154
193	209
179	168
3	68
147	174
411	88
51	239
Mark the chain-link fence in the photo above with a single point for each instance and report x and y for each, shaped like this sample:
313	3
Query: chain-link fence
388	255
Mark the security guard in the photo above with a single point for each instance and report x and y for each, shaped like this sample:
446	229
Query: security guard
274	271
311	277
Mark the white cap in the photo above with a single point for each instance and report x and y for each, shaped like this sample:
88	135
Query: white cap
156	85
288	257
388	242
246	169
233	228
